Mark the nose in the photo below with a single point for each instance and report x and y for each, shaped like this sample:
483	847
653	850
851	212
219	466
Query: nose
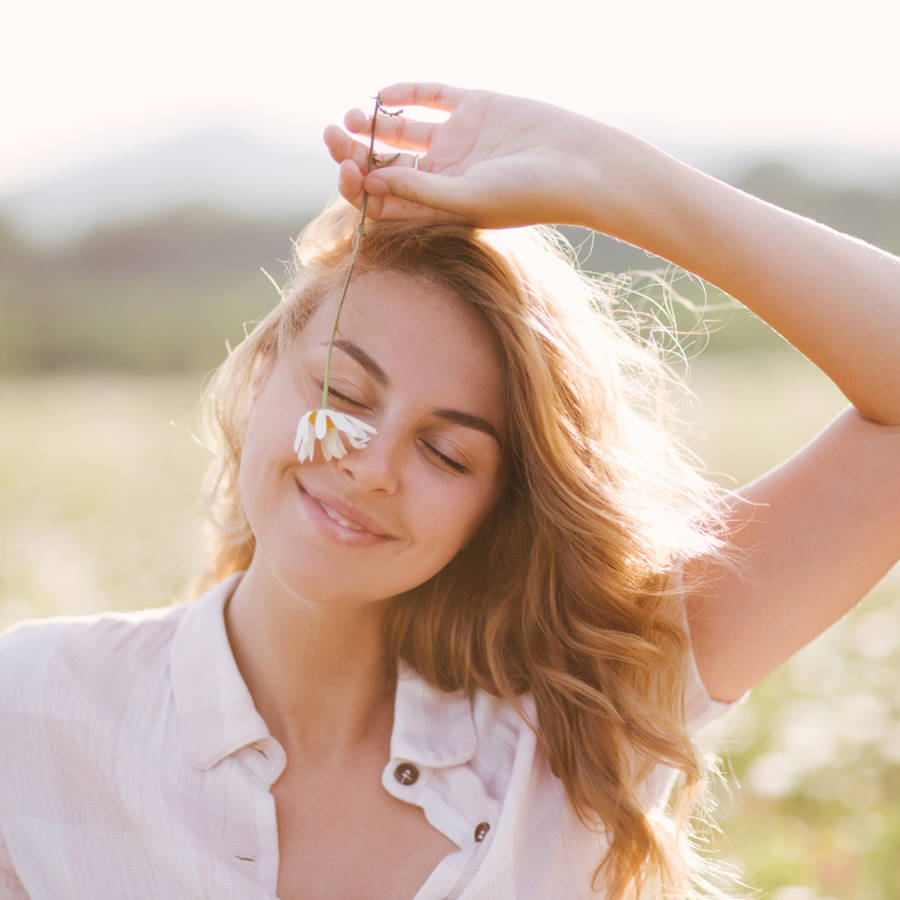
376	467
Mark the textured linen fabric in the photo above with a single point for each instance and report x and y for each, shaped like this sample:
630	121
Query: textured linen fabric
133	764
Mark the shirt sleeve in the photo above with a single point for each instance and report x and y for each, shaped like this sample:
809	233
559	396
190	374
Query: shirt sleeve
10	886
12	666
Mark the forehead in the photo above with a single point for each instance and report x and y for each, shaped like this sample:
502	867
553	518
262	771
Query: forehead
424	337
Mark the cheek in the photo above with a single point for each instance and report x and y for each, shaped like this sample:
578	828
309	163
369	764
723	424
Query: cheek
251	455
249	483
268	443
450	520
273	420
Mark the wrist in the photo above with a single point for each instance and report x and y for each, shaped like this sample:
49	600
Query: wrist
628	187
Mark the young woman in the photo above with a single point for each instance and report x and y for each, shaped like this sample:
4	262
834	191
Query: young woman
461	627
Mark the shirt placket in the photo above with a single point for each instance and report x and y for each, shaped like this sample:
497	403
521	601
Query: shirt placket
254	845
455	803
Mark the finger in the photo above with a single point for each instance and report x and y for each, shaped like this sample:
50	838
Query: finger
342	147
439	193
391	160
431	94
390	208
377	207
407	134
350	183
380	206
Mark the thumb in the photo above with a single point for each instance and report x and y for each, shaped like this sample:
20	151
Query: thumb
440	192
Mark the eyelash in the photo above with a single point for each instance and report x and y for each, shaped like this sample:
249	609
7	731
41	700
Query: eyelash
345	399
452	463
446	460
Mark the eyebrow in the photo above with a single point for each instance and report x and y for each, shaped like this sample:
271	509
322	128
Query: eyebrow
468	420
356	352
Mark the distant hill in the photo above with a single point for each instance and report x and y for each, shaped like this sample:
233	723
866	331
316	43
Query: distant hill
225	169
155	295
247	175
165	291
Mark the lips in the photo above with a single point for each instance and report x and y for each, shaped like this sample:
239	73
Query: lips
346	514
339	519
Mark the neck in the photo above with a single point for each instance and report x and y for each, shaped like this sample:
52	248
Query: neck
317	672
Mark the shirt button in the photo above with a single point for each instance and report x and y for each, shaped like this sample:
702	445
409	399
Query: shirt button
406	773
481	829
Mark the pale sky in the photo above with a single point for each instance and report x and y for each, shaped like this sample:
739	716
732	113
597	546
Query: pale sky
98	77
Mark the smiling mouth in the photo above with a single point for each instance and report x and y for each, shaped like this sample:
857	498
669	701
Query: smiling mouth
365	530
339	518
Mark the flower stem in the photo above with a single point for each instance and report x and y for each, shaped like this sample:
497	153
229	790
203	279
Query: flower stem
360	232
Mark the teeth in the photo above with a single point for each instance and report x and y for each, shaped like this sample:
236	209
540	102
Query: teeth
340	519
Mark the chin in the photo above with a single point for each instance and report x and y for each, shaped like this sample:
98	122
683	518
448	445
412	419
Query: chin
325	589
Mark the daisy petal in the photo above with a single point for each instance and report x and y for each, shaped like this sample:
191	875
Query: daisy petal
327	428
332	446
350	425
358	443
303	429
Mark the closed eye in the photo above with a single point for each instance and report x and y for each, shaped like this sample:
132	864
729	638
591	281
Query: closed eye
446	460
442	458
345	399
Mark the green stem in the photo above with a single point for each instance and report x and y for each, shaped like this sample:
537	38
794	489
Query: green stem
360	232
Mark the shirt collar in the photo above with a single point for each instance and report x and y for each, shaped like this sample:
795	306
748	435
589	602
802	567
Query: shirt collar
431	727
217	717
215	711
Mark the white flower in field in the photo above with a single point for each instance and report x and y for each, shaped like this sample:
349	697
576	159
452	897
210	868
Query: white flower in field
326	426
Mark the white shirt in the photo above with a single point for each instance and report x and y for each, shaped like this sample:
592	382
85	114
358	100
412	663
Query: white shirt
133	764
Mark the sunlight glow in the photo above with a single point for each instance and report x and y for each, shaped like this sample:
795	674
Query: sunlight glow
99	77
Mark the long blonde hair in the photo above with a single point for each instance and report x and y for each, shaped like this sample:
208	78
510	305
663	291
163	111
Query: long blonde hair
564	592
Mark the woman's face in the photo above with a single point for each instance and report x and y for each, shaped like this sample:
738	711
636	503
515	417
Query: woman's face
418	364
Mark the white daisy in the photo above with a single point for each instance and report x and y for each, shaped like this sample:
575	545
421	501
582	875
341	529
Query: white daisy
326	426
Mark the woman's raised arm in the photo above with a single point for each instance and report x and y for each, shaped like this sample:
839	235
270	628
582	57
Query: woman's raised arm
820	530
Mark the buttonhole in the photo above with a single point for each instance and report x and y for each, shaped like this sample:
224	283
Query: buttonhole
245	858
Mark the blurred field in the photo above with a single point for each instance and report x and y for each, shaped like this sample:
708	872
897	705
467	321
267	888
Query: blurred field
99	484
98	509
